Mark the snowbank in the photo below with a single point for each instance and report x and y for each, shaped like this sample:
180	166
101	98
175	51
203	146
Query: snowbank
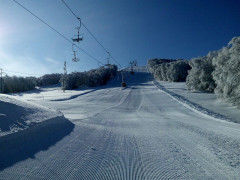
25	144
54	92
27	128
205	103
17	115
51	93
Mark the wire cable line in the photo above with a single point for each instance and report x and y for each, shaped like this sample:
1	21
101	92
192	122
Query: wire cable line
21	73
54	75
56	31
84	25
40	76
90	32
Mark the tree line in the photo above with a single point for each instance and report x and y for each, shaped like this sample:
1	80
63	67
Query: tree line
94	77
218	72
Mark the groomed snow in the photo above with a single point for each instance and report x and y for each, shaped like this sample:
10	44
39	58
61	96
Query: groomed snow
27	128
135	133
18	114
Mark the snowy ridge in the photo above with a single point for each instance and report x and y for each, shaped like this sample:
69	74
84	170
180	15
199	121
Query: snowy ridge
73	96
4	98
193	106
27	128
17	114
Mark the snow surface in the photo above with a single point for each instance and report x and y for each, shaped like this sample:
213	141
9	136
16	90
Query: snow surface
17	115
140	132
51	93
206	100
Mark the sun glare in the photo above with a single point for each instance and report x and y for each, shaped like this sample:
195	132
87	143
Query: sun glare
1	33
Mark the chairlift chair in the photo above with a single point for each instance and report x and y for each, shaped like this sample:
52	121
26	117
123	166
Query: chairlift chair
78	39
74	59
123	84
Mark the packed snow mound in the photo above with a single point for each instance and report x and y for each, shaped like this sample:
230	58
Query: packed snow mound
27	128
17	115
51	93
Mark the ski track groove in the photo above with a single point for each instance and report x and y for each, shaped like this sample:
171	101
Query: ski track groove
122	101
140	168
219	144
130	166
83	161
60	164
208	166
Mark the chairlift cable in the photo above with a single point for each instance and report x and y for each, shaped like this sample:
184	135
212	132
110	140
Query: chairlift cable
21	73
40	75
100	43
56	31
84	26
53	76
90	32
115	60
89	54
43	21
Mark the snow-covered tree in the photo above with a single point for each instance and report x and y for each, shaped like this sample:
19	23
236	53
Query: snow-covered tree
169	70
153	63
16	84
91	78
48	79
178	71
227	72
200	76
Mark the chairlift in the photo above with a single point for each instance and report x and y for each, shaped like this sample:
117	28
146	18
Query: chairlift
124	84
78	39
108	60
108	65
74	59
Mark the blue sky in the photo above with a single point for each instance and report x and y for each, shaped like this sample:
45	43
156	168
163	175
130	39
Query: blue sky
128	29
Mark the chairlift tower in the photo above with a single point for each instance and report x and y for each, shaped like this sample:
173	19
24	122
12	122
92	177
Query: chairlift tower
108	59
64	76
124	84
1	81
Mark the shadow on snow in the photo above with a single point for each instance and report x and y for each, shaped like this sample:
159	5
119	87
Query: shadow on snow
25	144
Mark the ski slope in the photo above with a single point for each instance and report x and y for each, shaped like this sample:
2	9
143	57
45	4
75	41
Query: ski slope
135	133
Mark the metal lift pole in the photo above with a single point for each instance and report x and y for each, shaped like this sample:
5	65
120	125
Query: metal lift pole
1	81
